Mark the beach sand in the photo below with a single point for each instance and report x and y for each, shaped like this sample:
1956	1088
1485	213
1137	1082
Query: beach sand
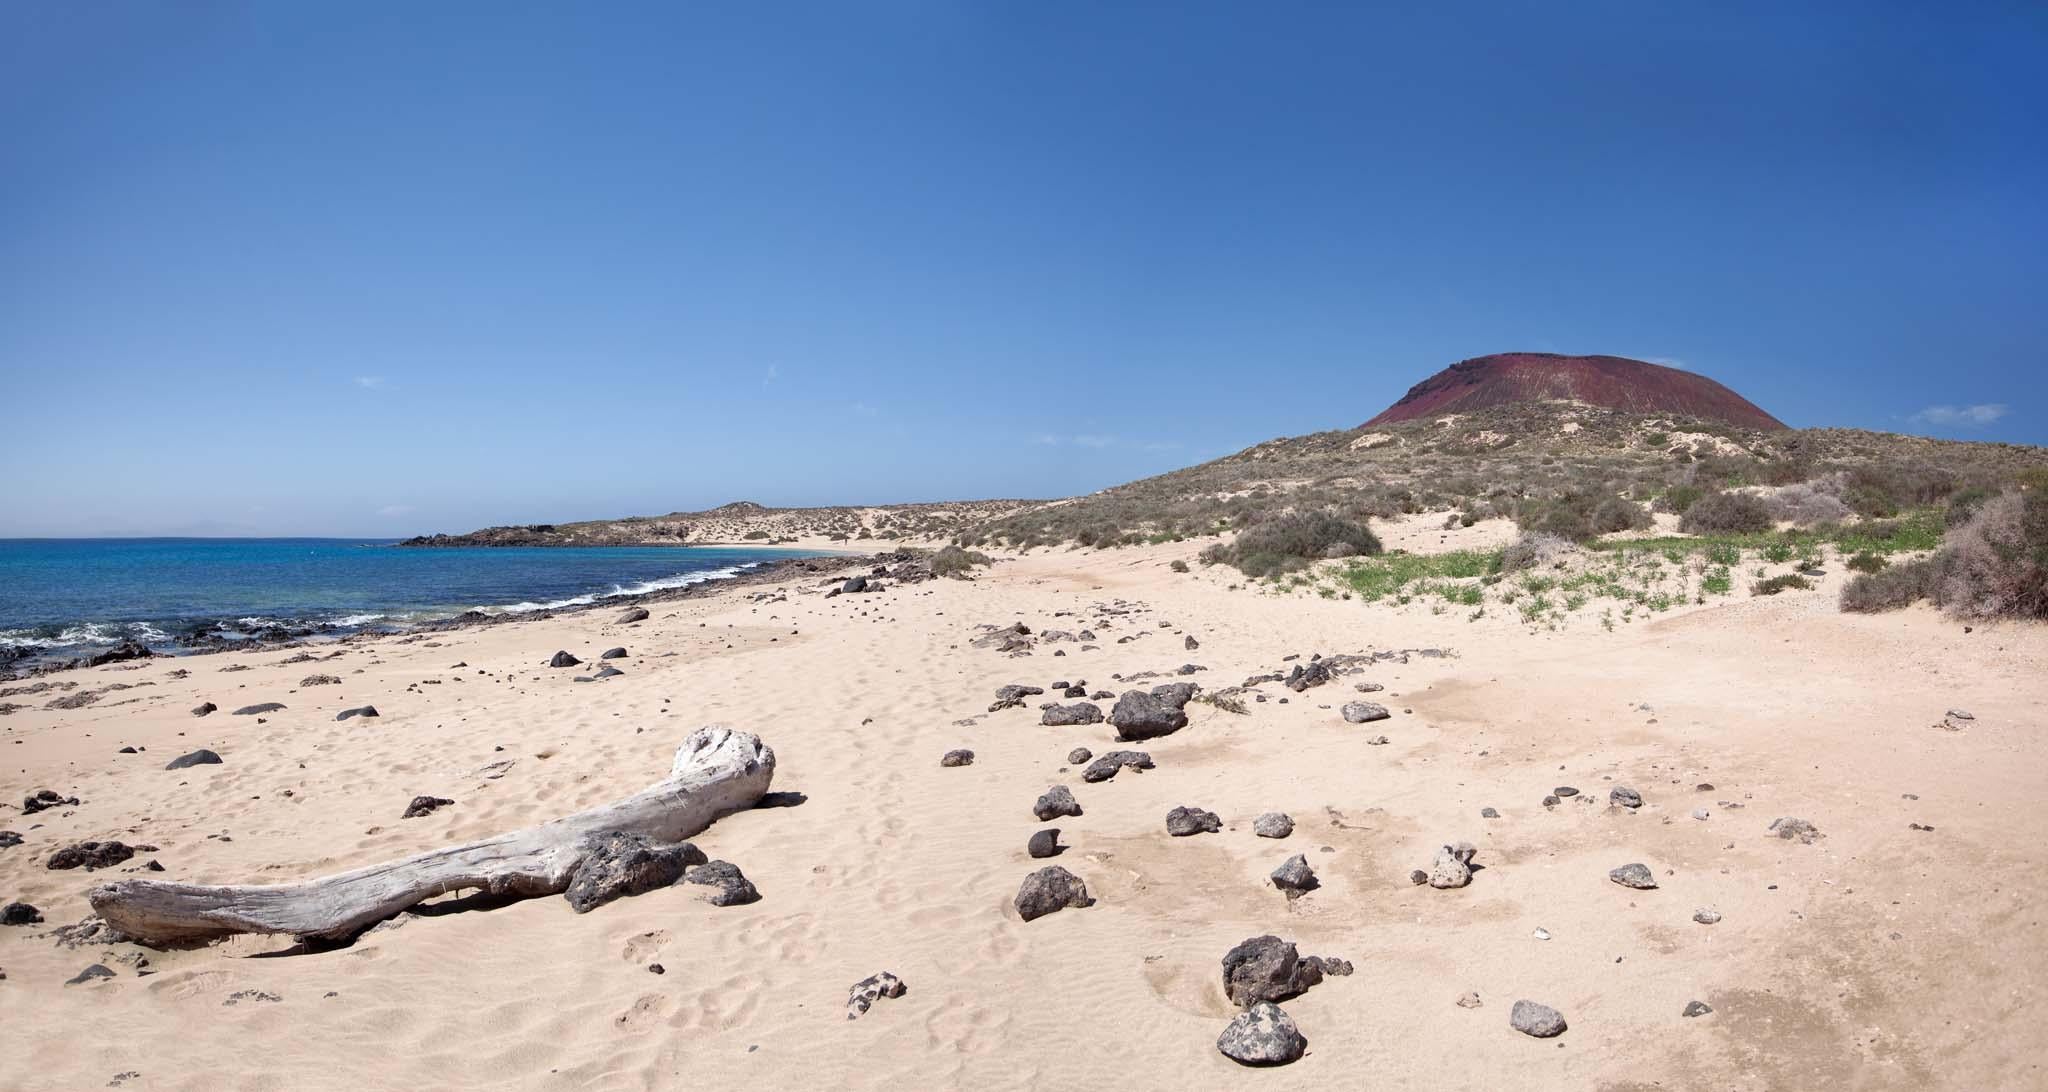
1878	957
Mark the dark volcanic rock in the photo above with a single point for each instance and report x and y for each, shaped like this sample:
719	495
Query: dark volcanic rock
1012	696
358	711
1079	755
960	757
200	757
1304	676
19	913
91	855
1176	694
1295	877
1615	382
854	586
1056	801
563	659
126	650
1262	1035
1108	763
729	886
44	800
204	708
424	805
321	680
259	709
1049	890
1267	968
612	654
630	615
1622	796
617	864
1078	713
1139	715
1045	842
1696	1008
97	970
1184	821
9	839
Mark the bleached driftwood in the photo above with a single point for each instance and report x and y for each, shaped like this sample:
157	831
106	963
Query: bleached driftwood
717	771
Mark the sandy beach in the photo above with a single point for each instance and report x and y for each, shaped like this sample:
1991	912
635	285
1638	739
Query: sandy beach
1878	956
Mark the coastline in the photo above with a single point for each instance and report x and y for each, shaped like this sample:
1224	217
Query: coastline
881	858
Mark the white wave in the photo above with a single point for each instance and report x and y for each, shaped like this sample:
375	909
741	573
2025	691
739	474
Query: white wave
363	619
680	580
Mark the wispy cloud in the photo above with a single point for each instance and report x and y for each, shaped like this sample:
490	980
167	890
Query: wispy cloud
1052	439
391	510
773	373
370	382
1975	416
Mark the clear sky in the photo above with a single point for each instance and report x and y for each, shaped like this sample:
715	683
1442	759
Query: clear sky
382	268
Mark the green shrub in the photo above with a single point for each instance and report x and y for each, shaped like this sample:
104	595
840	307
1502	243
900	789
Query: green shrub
1678	499
1726	513
1295	540
1717	581
957	563
1867	562
1777	584
1615	514
1893	588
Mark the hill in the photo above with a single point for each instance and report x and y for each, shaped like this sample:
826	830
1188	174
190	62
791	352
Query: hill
746	523
1614	382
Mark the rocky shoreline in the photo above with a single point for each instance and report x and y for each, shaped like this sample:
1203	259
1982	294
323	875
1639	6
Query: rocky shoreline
21	662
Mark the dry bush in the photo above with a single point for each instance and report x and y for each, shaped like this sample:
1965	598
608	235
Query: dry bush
1535	549
1808	503
1726	513
1615	514
957	563
1890	589
1996	565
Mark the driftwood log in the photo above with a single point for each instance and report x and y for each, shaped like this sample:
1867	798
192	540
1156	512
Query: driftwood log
717	771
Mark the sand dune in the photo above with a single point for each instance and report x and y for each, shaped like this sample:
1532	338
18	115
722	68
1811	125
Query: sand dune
1880	956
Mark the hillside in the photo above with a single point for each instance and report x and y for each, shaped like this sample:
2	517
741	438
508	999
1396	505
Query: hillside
745	522
1504	461
1612	382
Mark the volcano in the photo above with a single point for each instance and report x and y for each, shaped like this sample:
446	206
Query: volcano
1612	381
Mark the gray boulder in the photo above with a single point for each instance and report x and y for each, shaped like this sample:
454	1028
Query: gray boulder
961	757
1107	764
200	757
1541	1021
1079	755
729	886
358	711
1621	796
1139	715
1050	890
1082	712
259	709
19	913
631	615
1294	876
1045	842
1262	1035
1057	801
1363	712
1453	866
1176	694
1273	824
1184	821
563	659
1012	696
1266	968
612	654
1637	876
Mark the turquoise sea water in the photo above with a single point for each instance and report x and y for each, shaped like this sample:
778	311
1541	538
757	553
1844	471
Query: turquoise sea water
80	594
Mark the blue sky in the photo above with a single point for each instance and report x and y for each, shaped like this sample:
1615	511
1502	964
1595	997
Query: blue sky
377	269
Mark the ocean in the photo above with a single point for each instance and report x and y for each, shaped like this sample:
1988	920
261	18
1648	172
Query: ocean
72	596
